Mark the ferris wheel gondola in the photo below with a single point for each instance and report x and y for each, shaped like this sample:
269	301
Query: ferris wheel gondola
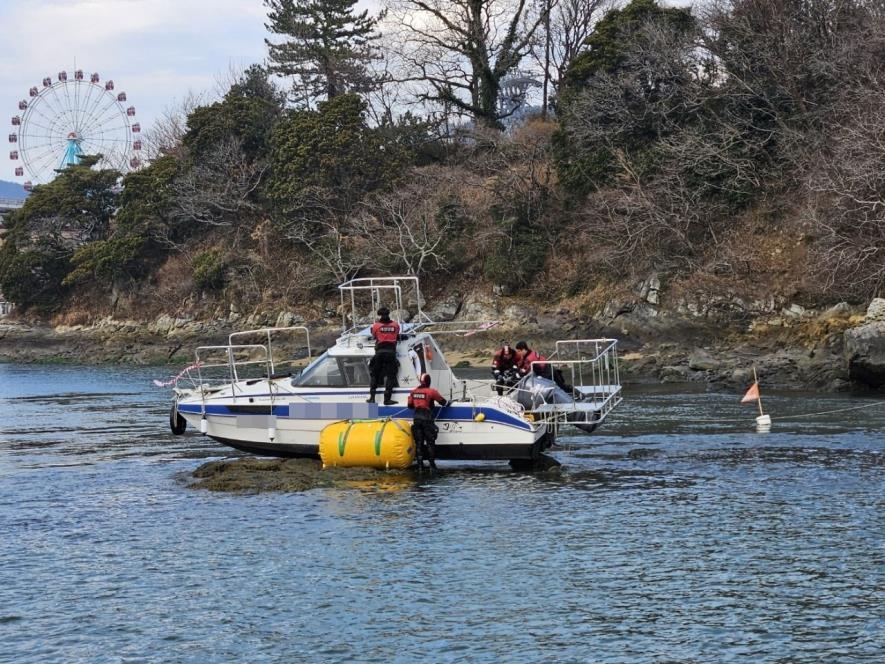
68	117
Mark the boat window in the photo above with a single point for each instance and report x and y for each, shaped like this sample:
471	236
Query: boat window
330	371
322	373
356	371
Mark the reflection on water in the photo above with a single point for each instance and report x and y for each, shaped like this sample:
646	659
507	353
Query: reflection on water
674	533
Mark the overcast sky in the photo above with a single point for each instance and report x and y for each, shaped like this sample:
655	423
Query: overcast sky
157	51
154	50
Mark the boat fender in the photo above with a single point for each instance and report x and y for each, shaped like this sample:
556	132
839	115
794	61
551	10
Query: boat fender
176	422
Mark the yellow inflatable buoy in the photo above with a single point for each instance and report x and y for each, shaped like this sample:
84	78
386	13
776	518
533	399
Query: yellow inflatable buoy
480	417
368	443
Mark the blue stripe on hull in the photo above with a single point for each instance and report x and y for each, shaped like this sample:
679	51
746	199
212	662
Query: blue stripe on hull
336	411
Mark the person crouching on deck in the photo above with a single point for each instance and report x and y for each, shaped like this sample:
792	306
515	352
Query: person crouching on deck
424	430
384	363
505	364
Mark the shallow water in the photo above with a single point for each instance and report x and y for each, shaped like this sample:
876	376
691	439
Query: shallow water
674	533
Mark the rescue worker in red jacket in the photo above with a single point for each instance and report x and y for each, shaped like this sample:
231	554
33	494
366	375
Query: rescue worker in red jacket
533	362
384	364
504	366
422	399
527	356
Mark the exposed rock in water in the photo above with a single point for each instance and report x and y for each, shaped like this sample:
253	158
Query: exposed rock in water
544	463
262	475
865	352
864	347
258	475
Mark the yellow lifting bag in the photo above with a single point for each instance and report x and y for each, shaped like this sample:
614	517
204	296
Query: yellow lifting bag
368	443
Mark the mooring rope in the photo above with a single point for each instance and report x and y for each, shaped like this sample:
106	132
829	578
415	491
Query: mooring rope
792	417
830	412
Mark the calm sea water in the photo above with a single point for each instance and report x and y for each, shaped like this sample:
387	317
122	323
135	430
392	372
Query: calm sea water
675	534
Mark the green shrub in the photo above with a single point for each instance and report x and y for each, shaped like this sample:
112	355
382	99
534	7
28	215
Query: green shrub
209	268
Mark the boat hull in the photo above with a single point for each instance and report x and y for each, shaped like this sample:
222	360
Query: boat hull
282	450
495	436
453	452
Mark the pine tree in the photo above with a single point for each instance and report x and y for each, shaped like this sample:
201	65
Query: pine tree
328	48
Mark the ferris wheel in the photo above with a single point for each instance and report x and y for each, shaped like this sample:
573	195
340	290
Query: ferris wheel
68	117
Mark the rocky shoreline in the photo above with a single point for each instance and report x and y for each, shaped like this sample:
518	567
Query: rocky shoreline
842	348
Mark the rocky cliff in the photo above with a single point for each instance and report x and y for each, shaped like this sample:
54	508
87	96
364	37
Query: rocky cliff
837	349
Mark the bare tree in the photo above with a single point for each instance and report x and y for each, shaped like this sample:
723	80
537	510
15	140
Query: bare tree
217	190
460	50
676	159
317	222
60	234
404	227
849	207
167	132
568	24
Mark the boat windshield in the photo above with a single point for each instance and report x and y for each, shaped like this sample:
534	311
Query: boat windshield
328	371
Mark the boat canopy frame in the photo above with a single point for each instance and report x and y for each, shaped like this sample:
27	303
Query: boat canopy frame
358	312
356	292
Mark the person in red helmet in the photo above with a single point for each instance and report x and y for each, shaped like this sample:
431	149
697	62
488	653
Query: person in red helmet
504	367
384	364
424	431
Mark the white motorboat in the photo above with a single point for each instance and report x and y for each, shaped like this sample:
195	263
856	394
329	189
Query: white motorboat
244	395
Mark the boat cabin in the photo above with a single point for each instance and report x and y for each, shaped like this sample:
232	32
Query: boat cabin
347	363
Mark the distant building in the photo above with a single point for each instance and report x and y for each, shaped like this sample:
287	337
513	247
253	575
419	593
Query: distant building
6	307
8	205
513	102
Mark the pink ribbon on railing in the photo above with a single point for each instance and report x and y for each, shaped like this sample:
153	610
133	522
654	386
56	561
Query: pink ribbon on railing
481	328
174	379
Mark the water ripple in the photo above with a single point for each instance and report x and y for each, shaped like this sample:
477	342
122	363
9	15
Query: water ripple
662	538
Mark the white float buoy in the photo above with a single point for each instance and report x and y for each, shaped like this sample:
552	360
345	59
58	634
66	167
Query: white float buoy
763	423
271	433
204	425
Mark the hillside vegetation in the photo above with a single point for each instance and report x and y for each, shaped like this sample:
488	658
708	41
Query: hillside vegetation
735	152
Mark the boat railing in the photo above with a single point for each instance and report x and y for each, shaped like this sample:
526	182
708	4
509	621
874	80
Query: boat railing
224	365
268	334
589	366
463	328
361	298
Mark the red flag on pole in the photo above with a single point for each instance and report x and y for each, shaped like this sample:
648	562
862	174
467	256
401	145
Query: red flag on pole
752	394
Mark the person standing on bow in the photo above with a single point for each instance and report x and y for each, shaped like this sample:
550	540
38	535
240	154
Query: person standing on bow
384	365
504	366
424	431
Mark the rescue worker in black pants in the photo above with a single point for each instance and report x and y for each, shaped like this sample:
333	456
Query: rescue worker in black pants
384	364
424	430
